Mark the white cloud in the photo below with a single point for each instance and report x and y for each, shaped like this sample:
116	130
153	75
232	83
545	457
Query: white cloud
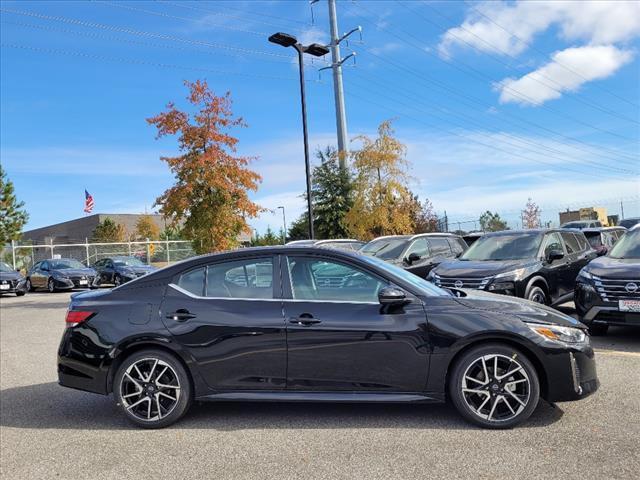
567	71
313	35
596	22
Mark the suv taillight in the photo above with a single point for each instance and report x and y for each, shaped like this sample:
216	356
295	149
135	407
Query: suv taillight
75	317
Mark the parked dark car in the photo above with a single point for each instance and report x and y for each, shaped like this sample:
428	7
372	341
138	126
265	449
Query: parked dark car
602	239
539	265
60	274
418	254
608	289
629	222
471	237
11	281
119	270
580	224
347	244
260	324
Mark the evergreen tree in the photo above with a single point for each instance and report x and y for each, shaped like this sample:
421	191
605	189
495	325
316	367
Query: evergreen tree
491	222
13	216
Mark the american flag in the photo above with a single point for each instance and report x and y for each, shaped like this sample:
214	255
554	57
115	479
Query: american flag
88	202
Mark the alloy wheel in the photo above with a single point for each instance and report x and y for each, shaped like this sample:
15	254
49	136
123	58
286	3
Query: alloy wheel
150	389
496	388
51	286
28	286
117	281
539	297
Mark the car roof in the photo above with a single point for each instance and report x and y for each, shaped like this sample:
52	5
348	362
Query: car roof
602	229
417	235
337	240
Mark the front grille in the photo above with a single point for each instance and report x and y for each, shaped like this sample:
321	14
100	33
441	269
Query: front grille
11	283
471	283
613	290
76	280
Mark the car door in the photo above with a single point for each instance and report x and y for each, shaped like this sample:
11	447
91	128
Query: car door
423	264
341	339
228	316
108	271
40	276
33	274
556	271
576	258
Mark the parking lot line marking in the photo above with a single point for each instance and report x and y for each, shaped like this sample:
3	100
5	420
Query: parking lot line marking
617	353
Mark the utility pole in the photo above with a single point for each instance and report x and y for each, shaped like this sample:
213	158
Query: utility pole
338	91
621	210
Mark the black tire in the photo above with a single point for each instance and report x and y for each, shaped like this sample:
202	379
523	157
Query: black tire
51	285
117	280
528	393
598	329
178	408
20	294
29	285
537	294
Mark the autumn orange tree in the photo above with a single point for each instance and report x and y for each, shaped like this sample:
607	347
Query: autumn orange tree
382	201
146	228
210	196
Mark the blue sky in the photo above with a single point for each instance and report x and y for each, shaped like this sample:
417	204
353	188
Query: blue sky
496	102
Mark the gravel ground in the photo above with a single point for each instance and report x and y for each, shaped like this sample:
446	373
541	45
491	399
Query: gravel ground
47	431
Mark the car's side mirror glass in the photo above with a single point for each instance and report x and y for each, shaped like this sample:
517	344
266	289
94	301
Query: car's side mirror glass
554	255
392	296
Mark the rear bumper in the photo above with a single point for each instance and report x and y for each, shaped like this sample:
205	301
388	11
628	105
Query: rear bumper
80	364
571	375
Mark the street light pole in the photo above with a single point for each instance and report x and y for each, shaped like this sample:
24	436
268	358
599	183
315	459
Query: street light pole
317	50
284	222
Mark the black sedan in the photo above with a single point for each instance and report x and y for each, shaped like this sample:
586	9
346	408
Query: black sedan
60	274
11	281
119	270
313	324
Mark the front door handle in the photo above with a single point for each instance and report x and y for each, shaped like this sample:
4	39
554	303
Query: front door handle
181	315
304	320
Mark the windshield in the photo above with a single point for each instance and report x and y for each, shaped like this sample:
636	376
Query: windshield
4	267
421	284
62	264
127	262
385	248
628	246
504	247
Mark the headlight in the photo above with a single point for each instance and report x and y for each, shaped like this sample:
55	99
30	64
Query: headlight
518	273
585	275
432	276
556	333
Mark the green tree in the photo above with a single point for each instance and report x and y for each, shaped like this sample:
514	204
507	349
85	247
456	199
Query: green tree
381	199
331	192
109	231
13	216
170	233
423	216
299	228
147	228
491	222
269	238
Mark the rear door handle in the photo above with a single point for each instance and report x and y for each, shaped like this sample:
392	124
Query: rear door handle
304	321
181	315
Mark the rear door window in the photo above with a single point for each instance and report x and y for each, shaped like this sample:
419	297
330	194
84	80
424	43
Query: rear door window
250	279
582	241
571	242
439	246
456	245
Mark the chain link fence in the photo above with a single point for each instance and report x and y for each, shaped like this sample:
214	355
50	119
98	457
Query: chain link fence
158	253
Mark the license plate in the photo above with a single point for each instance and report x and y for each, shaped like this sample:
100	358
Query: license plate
5	286
629	305
82	282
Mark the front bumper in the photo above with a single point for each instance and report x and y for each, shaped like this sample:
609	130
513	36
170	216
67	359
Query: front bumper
571	374
13	286
593	310
73	282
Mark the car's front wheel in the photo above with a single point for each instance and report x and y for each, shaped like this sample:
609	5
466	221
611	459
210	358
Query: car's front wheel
537	294
494	386
51	285
152	388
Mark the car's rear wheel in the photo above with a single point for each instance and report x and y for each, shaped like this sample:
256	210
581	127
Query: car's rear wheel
51	285
598	329
537	294
152	388
494	386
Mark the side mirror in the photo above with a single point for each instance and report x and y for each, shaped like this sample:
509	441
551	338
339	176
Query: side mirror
392	296
554	255
413	257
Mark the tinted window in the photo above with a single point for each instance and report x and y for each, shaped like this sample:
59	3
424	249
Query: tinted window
504	247
419	247
456	245
251	278
44	266
4	267
582	242
193	281
315	279
63	264
439	246
386	248
552	242
571	242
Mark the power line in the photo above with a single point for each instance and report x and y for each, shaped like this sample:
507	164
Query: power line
134	61
266	15
427	78
531	46
575	96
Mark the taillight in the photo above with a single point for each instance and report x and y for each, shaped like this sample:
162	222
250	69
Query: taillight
75	317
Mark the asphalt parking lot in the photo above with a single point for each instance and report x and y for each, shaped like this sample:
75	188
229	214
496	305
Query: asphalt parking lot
47	431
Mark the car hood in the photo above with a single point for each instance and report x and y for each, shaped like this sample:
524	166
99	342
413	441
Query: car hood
528	311
10	276
479	269
138	270
73	272
608	267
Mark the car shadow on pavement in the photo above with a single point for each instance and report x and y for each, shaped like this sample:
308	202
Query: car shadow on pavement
48	406
618	339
